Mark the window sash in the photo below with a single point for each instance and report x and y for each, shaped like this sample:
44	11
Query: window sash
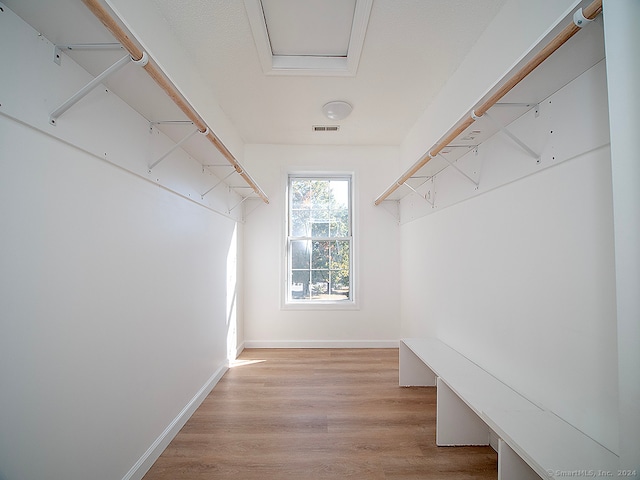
311	277
325	278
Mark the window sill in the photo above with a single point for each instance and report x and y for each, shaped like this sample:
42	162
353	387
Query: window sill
320	306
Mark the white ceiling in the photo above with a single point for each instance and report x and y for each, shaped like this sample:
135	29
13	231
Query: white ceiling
410	49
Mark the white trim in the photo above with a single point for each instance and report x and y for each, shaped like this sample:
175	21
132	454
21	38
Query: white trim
358	33
322	344
286	303
145	462
239	349
309	65
319	304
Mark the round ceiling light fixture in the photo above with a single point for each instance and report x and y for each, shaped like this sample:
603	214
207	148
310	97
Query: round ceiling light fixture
337	110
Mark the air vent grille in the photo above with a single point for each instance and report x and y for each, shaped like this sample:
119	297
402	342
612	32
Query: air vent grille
326	128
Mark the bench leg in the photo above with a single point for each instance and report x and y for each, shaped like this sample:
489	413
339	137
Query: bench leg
413	372
456	423
511	466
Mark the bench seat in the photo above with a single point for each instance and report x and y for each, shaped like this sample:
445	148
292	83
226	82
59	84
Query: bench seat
533	442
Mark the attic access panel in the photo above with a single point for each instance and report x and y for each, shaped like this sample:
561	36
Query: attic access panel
317	29
302	38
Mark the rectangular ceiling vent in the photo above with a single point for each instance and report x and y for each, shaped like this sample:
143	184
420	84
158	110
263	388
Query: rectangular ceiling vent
326	128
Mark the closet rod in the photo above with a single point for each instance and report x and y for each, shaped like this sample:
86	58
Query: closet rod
156	74
590	12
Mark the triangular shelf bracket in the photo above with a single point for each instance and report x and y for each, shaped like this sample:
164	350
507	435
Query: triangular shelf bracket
504	130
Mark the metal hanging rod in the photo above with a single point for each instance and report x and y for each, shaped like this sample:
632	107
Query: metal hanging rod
158	76
581	17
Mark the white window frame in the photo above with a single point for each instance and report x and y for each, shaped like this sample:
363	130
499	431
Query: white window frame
314	304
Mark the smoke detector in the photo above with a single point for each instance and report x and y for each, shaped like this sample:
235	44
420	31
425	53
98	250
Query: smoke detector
337	110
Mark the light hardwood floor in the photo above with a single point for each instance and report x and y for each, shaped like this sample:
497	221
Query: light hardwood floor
317	414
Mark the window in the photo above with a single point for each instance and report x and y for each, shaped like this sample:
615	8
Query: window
319	240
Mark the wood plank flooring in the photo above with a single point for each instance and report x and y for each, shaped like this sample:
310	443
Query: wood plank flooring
317	414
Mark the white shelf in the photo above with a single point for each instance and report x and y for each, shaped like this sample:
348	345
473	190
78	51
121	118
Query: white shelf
572	59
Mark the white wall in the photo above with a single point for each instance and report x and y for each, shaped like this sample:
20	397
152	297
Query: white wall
376	321
113	287
520	276
521	280
623	66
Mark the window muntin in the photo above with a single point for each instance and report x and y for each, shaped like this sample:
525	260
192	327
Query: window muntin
319	240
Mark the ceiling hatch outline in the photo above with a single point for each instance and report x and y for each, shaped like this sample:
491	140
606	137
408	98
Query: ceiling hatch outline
309	64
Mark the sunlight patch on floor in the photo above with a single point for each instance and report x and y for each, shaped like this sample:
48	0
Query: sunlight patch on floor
242	363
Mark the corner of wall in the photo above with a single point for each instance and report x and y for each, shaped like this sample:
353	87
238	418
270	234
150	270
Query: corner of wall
146	461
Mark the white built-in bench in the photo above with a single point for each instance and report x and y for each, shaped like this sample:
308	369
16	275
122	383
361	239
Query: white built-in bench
532	442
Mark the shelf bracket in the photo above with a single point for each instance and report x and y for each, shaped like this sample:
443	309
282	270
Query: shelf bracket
395	209
526	105
426	196
57	49
239	203
152	123
174	147
87	88
220	165
170	122
504	130
451	164
249	212
219	182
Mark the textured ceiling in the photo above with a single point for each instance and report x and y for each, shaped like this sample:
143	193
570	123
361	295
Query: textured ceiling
410	50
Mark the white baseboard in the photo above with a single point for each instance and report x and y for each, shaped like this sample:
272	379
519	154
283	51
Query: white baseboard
493	439
239	349
145	462
322	344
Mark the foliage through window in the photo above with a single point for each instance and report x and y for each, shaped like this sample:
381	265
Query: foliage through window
319	240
